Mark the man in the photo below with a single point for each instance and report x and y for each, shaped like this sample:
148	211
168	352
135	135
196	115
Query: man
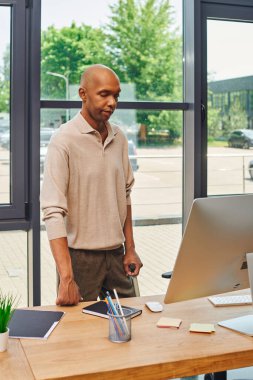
86	196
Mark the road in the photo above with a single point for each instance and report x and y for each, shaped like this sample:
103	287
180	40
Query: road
158	188
157	192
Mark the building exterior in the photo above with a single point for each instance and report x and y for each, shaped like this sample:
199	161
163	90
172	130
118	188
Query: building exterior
224	93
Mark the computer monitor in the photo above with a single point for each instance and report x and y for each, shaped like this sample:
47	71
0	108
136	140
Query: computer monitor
212	254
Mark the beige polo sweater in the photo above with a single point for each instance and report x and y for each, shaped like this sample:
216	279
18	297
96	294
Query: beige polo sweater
86	186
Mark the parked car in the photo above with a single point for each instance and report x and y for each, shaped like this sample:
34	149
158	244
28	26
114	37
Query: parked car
131	152
241	138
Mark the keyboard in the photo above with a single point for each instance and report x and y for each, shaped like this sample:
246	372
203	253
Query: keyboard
231	300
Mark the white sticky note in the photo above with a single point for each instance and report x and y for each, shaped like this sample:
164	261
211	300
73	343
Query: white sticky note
202	327
169	322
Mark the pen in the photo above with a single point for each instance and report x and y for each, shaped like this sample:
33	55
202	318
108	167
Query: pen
111	303
113	319
121	311
114	310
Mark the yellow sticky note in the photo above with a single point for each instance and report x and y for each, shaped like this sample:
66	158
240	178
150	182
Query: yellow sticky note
168	322
202	327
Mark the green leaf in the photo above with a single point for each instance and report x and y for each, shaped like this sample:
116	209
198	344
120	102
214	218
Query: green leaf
7	303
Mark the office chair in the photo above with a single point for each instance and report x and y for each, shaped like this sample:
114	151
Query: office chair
167	274
216	376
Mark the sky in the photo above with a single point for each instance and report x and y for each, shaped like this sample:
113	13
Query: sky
5	29
229	49
230	52
92	15
95	16
62	12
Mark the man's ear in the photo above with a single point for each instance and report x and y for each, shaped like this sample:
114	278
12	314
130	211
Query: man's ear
82	93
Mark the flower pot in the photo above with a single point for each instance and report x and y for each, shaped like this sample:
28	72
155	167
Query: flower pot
4	340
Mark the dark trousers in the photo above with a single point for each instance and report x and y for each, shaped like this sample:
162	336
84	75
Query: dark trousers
94	269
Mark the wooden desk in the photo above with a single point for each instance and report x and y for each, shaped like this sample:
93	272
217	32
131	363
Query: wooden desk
79	348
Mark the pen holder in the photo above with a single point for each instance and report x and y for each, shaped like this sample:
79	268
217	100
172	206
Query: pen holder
120	326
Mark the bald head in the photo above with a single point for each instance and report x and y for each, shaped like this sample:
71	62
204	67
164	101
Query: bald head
99	91
94	72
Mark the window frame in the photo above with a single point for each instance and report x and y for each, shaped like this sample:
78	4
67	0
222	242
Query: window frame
16	209
224	10
26	120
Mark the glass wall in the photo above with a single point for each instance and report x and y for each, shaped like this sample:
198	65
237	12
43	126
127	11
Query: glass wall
13	253
156	195
144	46
5	158
230	83
13	265
142	42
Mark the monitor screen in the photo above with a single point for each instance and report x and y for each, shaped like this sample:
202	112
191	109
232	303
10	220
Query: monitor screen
212	255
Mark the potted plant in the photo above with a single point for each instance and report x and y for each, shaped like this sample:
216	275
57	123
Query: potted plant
7	302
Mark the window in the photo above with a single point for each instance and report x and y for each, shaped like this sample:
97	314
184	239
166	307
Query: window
5	179
146	53
228	63
151	108
16	260
12	111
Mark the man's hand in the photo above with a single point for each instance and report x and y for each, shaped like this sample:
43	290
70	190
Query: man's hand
131	257
68	293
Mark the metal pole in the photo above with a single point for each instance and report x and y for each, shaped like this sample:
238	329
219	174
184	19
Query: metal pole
67	96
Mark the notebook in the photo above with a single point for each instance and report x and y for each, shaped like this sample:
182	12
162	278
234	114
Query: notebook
34	324
100	310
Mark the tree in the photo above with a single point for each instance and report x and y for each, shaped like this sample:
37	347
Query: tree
235	119
140	43
68	51
214	123
214	119
169	122
5	82
4	96
145	50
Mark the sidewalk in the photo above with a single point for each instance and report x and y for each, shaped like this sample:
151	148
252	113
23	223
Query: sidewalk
156	245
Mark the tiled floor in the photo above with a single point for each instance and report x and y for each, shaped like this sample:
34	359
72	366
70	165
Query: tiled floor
156	245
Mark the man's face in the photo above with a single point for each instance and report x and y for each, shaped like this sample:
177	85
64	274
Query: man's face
100	97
